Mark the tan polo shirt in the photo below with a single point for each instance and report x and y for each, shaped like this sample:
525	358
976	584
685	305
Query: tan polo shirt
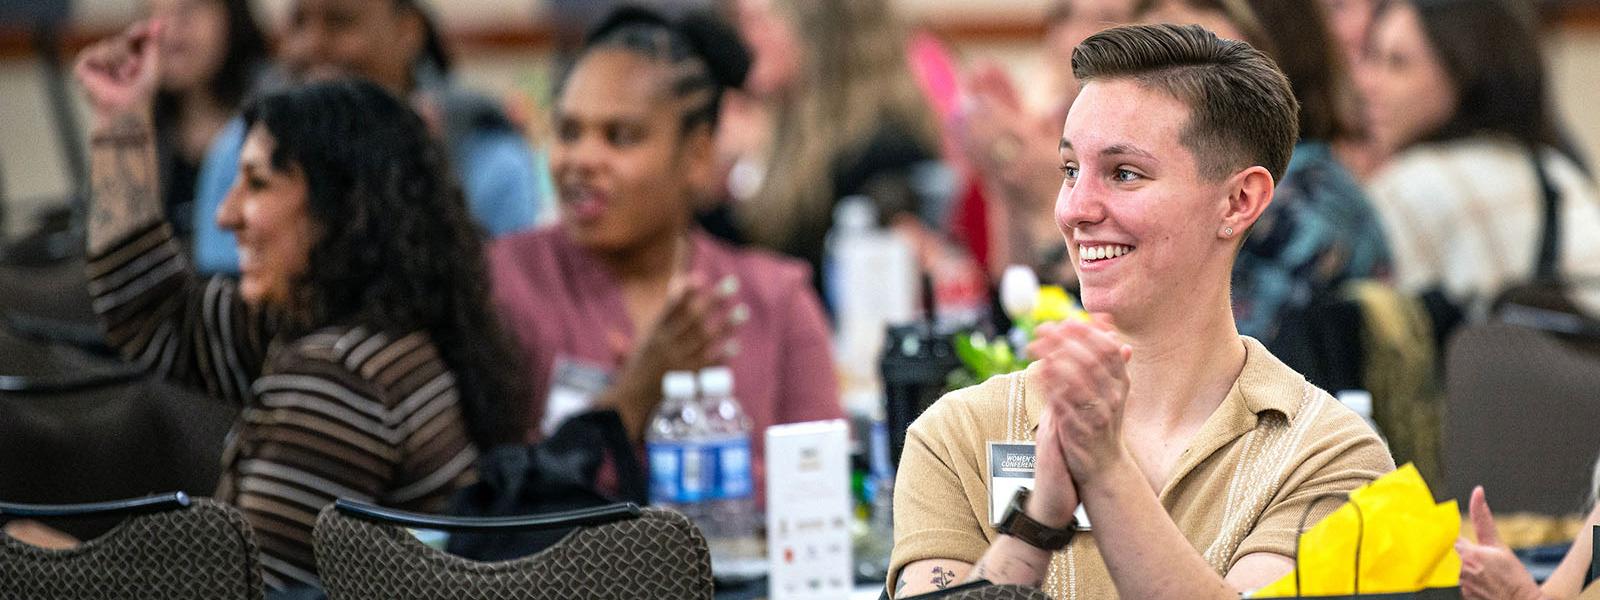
1274	444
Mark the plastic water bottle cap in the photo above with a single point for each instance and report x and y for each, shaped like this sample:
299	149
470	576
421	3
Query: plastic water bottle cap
855	213
1359	401
678	384
716	381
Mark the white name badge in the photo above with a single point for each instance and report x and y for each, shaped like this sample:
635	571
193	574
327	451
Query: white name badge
1010	469
574	385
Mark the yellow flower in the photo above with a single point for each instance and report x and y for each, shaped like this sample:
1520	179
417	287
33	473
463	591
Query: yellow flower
1055	304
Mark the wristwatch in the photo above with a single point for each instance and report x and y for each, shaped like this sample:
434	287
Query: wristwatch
1016	523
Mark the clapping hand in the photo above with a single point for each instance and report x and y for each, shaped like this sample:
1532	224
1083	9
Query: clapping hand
1082	370
1489	570
695	330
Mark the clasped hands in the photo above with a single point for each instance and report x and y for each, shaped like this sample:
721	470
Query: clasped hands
1081	369
697	328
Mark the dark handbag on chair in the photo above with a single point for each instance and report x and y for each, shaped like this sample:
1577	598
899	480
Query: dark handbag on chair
555	475
1545	302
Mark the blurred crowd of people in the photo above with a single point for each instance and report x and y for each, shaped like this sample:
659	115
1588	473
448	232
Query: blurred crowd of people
391	289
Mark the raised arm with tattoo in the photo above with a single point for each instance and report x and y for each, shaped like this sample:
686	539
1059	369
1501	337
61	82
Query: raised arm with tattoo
192	332
119	77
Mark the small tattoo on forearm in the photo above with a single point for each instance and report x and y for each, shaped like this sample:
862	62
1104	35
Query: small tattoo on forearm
942	578
124	185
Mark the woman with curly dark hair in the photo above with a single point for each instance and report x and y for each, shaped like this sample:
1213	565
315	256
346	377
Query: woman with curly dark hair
358	341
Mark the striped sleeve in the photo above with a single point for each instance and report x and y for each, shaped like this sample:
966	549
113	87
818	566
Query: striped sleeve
326	425
172	324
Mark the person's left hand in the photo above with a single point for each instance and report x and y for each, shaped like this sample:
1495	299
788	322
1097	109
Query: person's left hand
1489	570
1082	369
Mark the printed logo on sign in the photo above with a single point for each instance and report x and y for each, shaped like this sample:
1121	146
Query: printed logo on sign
1017	462
1011	460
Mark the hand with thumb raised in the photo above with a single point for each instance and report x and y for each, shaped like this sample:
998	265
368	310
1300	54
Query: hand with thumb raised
1489	570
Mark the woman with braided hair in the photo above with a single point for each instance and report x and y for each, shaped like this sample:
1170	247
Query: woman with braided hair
625	287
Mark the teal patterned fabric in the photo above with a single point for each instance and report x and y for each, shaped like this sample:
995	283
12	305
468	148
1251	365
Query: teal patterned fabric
1319	232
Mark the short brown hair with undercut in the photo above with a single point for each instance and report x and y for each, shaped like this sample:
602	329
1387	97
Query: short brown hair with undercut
1242	111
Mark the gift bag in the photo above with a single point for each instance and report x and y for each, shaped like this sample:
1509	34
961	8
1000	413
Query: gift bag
1390	540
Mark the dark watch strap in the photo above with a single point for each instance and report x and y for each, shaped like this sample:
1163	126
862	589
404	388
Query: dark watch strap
1016	523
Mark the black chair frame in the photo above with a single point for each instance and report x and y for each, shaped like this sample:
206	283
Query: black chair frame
126	507
584	517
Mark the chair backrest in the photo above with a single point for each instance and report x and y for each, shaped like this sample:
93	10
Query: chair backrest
173	548
656	554
982	590
118	435
1002	592
1522	407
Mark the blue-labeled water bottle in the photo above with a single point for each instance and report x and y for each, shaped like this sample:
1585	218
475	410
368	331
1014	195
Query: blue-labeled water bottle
680	478
738	551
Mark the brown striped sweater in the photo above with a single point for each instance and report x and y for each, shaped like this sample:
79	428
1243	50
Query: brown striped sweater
344	412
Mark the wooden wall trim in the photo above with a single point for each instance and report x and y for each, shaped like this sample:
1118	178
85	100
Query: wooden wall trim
16	43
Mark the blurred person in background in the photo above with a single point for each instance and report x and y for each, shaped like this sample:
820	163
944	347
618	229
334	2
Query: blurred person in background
1348	23
358	342
1014	149
1321	230
625	287
397	45
1229	19
212	54
847	118
1456	93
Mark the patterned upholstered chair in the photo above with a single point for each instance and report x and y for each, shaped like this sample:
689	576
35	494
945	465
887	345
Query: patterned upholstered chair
172	547
617	551
980	591
1001	592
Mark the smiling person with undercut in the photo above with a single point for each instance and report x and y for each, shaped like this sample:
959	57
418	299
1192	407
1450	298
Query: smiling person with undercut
1193	451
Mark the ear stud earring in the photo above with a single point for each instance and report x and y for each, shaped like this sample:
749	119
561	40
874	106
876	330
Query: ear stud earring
1227	232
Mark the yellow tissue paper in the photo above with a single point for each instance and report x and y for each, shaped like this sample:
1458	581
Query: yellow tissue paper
1407	543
